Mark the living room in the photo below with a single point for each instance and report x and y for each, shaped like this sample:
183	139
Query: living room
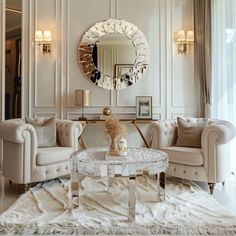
150	83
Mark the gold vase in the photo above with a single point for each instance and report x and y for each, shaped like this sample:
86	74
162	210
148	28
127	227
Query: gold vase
113	147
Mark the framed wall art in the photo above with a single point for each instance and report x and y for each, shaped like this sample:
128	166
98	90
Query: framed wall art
144	107
121	69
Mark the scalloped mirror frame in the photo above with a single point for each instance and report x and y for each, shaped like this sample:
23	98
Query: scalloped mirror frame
94	34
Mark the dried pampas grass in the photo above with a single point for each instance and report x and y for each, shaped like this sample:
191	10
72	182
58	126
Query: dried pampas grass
113	128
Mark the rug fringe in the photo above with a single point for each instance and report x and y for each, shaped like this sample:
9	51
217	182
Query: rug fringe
131	229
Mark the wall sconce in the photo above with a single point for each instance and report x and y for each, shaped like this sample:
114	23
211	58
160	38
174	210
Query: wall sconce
44	41
183	42
82	100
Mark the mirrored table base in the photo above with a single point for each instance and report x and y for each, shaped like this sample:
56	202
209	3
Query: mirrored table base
76	186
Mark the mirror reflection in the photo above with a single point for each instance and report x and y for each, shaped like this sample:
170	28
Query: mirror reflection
13	59
113	49
113	54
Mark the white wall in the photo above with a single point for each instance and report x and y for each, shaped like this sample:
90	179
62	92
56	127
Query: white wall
169	79
50	81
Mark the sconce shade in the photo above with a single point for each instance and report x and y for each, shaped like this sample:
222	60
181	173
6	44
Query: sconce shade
47	36
43	41
82	98
190	36
38	36
184	41
181	36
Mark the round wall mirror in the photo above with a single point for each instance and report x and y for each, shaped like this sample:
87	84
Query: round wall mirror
113	54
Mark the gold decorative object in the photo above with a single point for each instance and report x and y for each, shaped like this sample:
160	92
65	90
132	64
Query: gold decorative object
107	111
114	129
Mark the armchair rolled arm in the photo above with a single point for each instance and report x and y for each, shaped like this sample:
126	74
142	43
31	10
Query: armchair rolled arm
223	132
68	133
163	133
14	131
215	149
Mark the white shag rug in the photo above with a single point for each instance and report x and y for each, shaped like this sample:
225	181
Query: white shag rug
187	210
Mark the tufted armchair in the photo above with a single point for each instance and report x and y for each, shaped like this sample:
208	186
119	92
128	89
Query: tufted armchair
24	162
209	163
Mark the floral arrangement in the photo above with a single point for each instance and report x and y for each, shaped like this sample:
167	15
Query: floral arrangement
113	129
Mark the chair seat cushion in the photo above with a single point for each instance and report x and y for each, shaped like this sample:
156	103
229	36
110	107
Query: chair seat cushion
52	155
184	155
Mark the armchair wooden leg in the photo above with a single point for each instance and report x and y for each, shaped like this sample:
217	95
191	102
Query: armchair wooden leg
26	187
10	182
212	187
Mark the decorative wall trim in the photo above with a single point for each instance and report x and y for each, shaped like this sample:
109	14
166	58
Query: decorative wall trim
54	51
28	20
44	114
131	115
64	64
167	55
172	58
183	114
162	80
67	52
61	91
159	87
164	106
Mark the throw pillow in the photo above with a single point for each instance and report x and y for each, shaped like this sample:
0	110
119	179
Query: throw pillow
190	132
45	130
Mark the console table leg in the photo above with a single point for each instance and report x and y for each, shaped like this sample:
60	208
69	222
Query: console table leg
162	183
132	199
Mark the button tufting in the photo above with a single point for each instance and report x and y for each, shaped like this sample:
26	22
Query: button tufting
184	171
195	172
174	169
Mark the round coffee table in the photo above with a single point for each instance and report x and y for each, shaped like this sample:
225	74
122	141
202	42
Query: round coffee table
139	161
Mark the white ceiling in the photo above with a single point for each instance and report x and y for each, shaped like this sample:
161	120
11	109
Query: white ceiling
13	19
16	4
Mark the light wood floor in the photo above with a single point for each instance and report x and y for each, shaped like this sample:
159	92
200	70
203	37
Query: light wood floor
225	195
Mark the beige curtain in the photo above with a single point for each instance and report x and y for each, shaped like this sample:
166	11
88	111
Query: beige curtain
202	28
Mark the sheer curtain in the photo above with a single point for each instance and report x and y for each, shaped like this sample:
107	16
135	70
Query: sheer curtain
224	64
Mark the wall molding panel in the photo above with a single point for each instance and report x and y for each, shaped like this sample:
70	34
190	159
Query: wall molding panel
52	59
161	81
44	114
52	81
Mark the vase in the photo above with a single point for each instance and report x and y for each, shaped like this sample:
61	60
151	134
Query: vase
113	147
122	147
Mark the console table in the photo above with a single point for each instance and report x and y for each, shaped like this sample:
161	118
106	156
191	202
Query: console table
134	122
139	161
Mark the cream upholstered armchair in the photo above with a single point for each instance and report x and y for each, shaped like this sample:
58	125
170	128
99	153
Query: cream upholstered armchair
24	162
208	163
